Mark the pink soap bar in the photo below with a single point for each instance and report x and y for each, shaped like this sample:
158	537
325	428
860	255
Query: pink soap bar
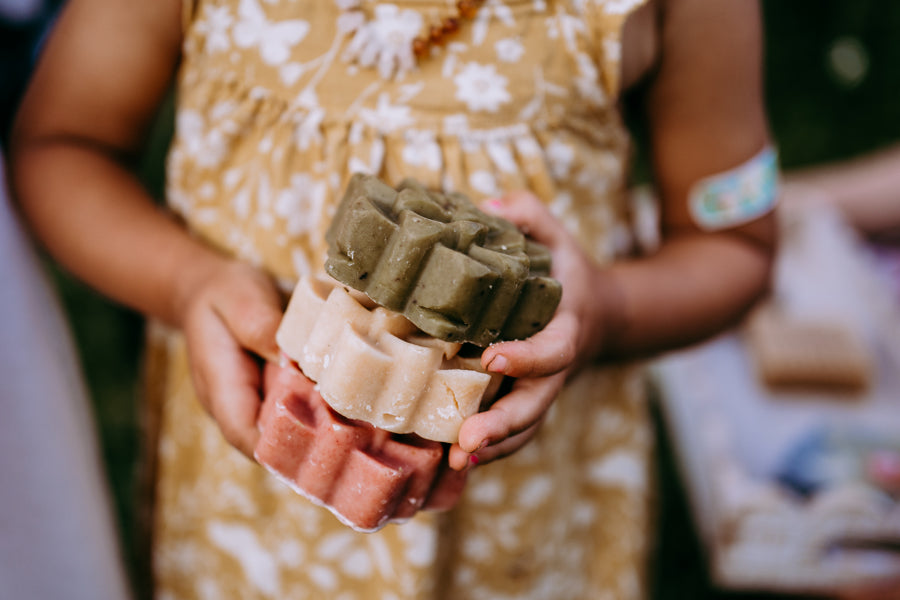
365	476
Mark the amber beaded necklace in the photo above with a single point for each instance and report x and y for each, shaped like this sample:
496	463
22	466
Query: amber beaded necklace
437	33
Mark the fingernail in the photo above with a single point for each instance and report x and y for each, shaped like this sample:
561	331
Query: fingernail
493	204
482	445
498	364
473	460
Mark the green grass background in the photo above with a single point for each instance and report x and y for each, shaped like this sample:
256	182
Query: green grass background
816	115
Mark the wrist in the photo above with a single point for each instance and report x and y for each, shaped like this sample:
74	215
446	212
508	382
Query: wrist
192	278
609	320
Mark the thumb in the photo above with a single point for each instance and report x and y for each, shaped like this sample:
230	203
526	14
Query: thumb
547	352
252	312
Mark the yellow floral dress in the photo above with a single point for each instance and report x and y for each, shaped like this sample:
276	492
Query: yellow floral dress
279	102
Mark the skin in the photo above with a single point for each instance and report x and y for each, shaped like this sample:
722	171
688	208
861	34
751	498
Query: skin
86	125
864	189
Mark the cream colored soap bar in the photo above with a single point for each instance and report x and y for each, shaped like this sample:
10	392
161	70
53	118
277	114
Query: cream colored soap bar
374	365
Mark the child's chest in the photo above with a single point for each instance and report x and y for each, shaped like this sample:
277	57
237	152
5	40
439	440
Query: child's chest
411	63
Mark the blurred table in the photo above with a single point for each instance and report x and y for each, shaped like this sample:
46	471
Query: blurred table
777	479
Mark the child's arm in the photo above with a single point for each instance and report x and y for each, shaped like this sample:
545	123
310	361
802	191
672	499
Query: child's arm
96	89
705	110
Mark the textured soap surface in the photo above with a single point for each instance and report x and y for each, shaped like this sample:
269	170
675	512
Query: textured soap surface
372	364
366	477
457	273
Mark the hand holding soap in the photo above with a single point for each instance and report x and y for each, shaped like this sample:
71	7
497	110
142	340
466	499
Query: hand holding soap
458	273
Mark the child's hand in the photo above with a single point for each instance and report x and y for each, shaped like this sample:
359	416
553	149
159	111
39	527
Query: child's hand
229	320
542	362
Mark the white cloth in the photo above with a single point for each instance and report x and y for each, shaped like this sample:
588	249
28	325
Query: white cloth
57	534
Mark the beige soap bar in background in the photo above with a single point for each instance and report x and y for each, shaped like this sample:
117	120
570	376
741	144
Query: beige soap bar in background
789	351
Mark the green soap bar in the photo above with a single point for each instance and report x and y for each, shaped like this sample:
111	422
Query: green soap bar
449	294
512	270
422	203
402	259
458	273
533	308
368	188
461	235
539	257
359	241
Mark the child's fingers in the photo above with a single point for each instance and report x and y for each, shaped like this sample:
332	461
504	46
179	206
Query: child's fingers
506	447
547	352
252	311
460	460
529	214
512	414
227	380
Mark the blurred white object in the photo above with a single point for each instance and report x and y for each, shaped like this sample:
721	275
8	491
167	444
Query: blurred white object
20	11
732	433
57	534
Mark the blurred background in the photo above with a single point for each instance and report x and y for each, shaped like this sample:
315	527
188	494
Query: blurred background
833	92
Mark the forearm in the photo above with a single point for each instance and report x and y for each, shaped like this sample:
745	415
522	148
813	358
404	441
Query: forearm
695	286
94	218
866	189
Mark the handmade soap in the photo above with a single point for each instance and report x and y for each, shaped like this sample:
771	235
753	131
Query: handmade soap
372	364
456	272
366	477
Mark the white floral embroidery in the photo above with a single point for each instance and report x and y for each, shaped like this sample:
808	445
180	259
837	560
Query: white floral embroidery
561	208
527	146
484	182
206	148
535	491
273	40
349	22
291	72
560	156
612	49
492	8
619	7
567	26
300	262
509	50
501	156
240	202
384	42
386	117
214	25
264	215
588	81
370	164
323	577
231	177
456	123
481	87
291	553
478	546
622	468
244	545
421	150
299	204
307	130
